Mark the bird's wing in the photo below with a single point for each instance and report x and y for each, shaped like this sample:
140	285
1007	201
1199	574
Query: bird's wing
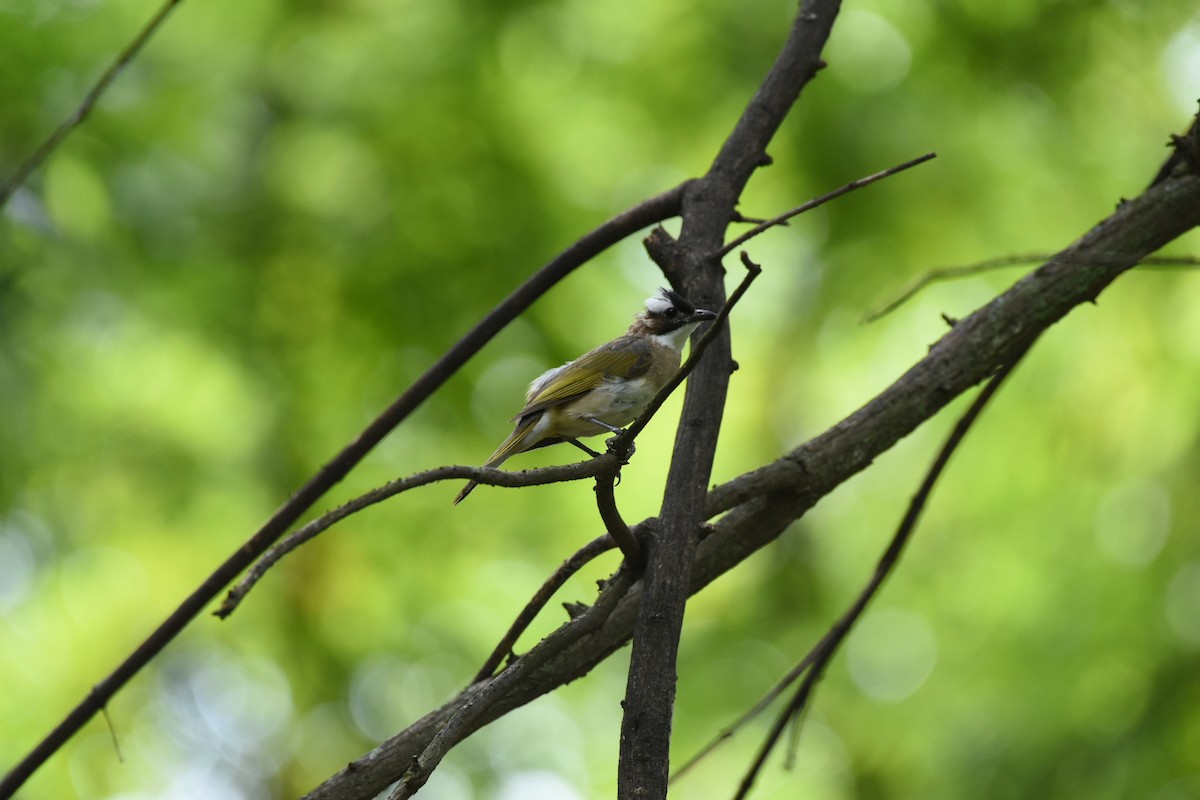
626	358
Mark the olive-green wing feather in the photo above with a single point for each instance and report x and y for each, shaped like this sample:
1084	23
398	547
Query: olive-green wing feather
627	358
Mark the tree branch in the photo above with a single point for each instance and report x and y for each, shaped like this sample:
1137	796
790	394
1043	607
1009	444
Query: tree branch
782	219
470	716
35	159
484	475
993	335
761	504
938	274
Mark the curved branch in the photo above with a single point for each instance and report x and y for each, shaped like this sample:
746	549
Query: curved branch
618	530
484	475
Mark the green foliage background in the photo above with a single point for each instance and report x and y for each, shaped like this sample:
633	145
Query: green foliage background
283	212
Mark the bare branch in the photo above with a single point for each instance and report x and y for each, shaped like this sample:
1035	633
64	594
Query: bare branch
993	335
35	159
951	273
484	475
606	504
470	715
822	200
708	206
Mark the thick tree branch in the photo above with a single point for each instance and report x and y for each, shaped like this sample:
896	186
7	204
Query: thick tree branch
762	504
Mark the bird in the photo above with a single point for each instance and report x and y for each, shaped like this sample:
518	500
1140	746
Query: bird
604	389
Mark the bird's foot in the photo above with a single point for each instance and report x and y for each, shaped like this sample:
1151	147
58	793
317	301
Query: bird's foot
624	453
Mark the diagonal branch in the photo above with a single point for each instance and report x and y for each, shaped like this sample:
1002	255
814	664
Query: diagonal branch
35	159
822	200
597	546
469	717
951	273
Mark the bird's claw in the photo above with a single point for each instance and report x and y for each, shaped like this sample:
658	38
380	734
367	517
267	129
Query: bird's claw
623	453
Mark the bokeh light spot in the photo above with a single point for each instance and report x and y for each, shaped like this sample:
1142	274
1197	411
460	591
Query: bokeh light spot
890	654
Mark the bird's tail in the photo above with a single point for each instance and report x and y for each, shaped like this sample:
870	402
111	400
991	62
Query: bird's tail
515	443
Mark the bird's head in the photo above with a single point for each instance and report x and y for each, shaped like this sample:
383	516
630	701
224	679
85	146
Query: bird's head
669	316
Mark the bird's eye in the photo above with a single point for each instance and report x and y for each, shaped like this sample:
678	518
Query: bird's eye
670	312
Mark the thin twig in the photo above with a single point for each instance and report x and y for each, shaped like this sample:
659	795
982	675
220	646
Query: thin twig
820	201
26	168
484	475
950	273
621	442
112	733
582	556
821	655
764	702
648	212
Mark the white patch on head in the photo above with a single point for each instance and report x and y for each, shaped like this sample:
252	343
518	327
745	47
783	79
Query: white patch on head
658	304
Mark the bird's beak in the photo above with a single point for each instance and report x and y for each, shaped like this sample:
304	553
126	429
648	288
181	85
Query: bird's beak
700	315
